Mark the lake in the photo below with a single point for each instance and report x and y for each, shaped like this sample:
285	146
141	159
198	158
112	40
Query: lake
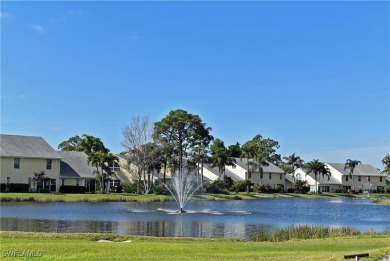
223	219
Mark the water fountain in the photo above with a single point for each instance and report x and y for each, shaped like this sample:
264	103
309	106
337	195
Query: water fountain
184	186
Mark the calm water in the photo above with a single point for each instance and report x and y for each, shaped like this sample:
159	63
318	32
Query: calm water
239	219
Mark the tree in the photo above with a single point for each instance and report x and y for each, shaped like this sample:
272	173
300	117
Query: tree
292	162
179	132
39	179
386	163
102	161
220	157
235	150
87	143
318	168
247	151
263	151
351	165
301	186
137	140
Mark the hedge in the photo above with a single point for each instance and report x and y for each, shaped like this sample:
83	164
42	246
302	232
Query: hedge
73	189
18	187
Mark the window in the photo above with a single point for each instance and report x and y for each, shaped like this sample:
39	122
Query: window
115	166
368	179
380	179
77	182
269	175
346	178
17	163
62	182
281	176
53	185
249	175
360	178
48	164
261	175
115	183
29	183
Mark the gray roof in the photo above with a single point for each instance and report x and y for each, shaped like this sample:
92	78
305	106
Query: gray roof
360	170
271	168
74	164
123	157
17	146
123	177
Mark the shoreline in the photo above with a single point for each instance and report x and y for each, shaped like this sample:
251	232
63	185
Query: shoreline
146	198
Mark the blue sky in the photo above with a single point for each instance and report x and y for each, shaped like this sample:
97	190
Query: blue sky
312	75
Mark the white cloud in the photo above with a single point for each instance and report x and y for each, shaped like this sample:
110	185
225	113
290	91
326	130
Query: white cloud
38	28
75	12
4	16
134	38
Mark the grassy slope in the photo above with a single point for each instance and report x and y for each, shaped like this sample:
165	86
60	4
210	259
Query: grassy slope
86	247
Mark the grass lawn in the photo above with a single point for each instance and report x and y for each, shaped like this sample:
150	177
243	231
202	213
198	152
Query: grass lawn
59	197
55	246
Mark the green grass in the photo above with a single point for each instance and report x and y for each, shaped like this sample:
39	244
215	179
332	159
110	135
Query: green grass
59	197
85	247
127	197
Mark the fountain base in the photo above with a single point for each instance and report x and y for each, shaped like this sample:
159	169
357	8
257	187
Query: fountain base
181	211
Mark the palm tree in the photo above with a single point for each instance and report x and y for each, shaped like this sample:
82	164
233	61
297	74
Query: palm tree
220	157
318	168
386	163
102	162
351	165
260	160
292	163
247	152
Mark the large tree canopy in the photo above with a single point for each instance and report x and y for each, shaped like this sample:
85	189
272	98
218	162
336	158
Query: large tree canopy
87	143
179	132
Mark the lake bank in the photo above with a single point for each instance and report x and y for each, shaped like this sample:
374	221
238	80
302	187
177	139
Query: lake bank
127	197
76	246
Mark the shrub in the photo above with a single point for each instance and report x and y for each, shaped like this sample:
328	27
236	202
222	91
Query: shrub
340	190
265	188
130	188
45	190
18	187
241	186
119	189
73	189
279	188
160	189
3	186
290	190
217	186
387	189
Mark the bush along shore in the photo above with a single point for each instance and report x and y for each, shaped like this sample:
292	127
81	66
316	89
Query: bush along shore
84	246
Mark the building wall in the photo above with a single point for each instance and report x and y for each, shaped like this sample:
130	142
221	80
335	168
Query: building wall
26	169
239	171
272	179
69	182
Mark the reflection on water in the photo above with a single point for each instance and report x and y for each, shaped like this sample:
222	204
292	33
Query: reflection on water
238	219
145	228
